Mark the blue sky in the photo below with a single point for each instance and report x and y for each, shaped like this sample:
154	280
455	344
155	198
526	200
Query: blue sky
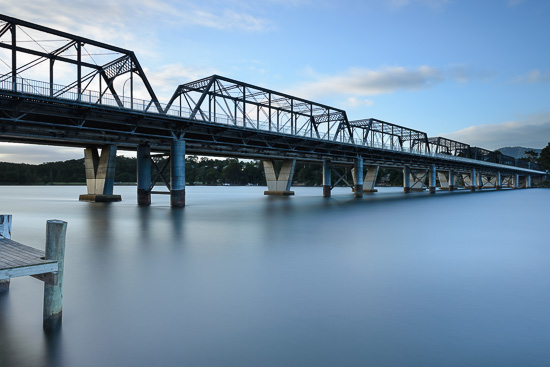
474	71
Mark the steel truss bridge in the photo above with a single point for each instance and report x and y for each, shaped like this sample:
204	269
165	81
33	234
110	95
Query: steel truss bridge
61	89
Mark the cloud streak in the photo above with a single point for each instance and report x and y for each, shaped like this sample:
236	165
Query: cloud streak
534	77
366	82
532	133
111	20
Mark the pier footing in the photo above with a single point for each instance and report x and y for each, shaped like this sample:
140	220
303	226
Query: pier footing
280	193
99	198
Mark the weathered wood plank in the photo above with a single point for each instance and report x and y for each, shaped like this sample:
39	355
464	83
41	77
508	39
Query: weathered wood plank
28	270
18	260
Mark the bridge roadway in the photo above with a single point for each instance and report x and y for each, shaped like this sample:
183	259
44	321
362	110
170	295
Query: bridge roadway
214	116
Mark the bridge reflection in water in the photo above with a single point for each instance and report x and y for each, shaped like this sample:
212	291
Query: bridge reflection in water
214	116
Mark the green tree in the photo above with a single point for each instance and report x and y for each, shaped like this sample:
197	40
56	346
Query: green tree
531	156
544	158
233	173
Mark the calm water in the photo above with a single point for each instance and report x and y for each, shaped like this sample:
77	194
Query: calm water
239	279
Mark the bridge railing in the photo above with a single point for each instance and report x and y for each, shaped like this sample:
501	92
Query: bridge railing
89	97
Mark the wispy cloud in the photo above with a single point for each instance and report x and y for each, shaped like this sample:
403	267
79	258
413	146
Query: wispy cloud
434	4
532	133
167	78
129	22
533	77
354	102
367	82
512	3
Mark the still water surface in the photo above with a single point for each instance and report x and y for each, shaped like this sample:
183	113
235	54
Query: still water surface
240	279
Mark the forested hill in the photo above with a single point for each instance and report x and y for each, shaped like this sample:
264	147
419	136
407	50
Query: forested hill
517	152
198	171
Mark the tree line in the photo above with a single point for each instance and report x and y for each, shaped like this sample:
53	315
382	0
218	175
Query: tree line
198	171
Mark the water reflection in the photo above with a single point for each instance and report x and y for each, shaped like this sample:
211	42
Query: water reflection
240	279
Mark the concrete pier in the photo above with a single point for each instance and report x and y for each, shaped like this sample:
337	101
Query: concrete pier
443	180
279	184
177	174
528	182
499	181
369	180
516	181
452	180
53	293
327	178
100	174
143	174
406	180
357	173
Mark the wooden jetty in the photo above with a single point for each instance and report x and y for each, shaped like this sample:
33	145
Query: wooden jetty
17	260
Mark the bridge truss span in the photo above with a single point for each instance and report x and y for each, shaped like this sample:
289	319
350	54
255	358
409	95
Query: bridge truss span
78	68
218	99
377	133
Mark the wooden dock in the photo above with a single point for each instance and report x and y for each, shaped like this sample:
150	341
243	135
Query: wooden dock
17	260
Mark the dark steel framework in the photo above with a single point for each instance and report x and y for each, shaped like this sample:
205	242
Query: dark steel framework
219	99
448	146
95	67
382	134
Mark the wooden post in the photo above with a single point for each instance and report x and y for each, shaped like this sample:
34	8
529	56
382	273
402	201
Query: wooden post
53	296
5	232
5	226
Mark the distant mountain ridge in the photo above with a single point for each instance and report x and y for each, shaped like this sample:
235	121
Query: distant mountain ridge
517	152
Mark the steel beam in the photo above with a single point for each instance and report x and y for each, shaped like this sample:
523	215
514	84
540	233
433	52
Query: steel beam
406	179
327	178
177	173
144	174
357	173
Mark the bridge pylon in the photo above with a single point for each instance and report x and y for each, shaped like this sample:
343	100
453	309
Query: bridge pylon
281	182
100	174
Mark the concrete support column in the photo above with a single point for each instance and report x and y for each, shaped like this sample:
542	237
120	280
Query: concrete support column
432	179
473	178
369	180
528	183
499	181
406	179
443	180
177	173
100	174
279	184
516	181
143	174
479	181
357	173
53	294
327	178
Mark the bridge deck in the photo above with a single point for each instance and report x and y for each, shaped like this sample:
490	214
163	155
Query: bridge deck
17	260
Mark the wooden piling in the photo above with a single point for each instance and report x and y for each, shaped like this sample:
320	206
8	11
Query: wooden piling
53	294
